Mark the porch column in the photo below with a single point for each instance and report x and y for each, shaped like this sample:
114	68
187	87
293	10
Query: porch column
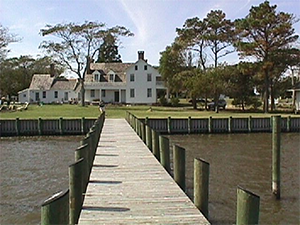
120	95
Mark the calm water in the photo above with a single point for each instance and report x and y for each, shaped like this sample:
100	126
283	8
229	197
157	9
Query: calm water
245	160
31	170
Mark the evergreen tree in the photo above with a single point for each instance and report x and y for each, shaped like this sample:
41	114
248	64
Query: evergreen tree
108	51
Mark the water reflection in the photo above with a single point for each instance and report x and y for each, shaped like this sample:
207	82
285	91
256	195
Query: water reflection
32	169
245	160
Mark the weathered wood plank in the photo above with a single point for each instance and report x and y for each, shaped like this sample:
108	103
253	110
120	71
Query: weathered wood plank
129	186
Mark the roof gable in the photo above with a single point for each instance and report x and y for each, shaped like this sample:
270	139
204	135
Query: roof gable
41	82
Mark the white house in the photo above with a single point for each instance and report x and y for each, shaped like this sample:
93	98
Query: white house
296	96
48	88
130	83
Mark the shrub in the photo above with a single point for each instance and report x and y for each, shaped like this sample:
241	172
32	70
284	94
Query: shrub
163	101
174	101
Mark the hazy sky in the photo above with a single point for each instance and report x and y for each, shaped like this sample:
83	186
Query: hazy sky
152	21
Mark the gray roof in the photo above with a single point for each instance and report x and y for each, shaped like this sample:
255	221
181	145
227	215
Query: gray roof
48	82
64	84
105	68
41	82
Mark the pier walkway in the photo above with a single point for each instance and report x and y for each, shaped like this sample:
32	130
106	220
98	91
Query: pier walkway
129	186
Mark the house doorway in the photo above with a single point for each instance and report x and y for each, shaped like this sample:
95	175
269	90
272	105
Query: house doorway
117	97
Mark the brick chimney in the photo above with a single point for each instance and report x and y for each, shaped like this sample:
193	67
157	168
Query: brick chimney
52	70
141	55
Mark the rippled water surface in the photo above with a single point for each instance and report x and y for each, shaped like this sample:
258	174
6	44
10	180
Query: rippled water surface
245	160
31	170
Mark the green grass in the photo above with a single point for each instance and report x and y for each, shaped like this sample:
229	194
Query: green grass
116	111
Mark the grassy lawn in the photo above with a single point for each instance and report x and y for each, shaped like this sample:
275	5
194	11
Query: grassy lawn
119	111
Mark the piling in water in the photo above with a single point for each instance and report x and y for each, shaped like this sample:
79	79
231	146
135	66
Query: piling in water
276	129
201	185
76	190
55	210
179	166
247	207
155	144
148	137
164	148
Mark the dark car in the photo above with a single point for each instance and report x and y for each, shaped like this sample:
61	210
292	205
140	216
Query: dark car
221	103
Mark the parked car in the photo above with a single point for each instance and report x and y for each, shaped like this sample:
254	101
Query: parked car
221	103
198	100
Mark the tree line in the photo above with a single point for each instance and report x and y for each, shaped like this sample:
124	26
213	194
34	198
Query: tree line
75	47
265	39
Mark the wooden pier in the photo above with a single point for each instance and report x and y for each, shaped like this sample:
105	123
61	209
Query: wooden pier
129	186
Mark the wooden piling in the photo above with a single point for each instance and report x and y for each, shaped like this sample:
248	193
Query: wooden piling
82	152
249	124
179	166
164	148
189	125
210	124
169	125
276	130
83	125
17	126
247	207
61	126
148	137
40	126
75	186
230	124
143	132
55	210
155	144
201	185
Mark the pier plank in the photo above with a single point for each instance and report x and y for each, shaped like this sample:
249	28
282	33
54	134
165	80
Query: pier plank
129	186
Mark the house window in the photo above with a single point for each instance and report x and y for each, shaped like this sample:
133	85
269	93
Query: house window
24	95
149	92
37	96
66	96
136	67
55	94
103	93
149	77
131	77
44	94
131	93
111	77
96	77
92	93
145	67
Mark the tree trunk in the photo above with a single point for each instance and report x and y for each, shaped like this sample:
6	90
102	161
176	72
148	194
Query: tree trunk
194	102
266	94
82	92
272	98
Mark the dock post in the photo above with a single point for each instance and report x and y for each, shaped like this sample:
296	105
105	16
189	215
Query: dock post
17	126
230	124
83	125
250	124
179	166
155	144
40	126
189	124
288	124
148	137
82	152
55	210
247	207
276	130
169	125
75	186
61	127
164	148
143	132
210	124
201	185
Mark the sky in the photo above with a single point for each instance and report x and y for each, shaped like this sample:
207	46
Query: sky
153	22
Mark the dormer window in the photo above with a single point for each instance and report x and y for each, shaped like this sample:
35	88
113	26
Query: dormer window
96	77
145	67
136	67
111	77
